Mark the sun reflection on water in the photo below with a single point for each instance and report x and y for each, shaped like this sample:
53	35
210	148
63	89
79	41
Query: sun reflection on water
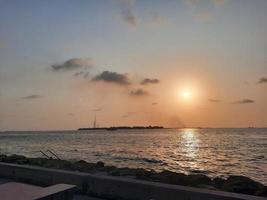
190	144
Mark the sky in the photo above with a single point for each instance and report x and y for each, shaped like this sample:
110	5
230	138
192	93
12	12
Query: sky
187	63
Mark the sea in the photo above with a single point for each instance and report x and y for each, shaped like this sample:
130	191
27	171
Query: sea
213	152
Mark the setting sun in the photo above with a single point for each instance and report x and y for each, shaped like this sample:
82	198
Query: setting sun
186	94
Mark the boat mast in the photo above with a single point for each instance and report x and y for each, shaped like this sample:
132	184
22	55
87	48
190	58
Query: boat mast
94	125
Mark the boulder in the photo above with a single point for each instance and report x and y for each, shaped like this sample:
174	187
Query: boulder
242	184
37	161
114	172
84	166
134	172
14	158
198	179
218	182
2	158
169	177
238	184
81	162
100	164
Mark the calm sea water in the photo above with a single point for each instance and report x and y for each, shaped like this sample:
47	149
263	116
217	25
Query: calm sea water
215	152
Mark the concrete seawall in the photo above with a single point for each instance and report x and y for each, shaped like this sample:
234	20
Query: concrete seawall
114	187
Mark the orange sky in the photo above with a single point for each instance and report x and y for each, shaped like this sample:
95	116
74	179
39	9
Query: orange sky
132	61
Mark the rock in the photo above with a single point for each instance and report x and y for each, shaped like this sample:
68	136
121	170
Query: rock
109	168
22	161
84	166
145	174
114	172
242	184
14	158
181	179
218	182
17	159
198	179
262	192
139	172
100	164
81	162
169	177
198	171
3	158
239	184
37	161
126	171
134	172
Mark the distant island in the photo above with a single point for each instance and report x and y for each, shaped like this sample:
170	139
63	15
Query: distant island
114	128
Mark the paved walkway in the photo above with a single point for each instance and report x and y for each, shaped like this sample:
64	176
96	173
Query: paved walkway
76	197
3	180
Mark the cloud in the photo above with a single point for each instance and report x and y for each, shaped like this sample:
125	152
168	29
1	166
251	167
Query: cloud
147	81
214	100
78	73
72	64
127	14
129	17
112	77
244	101
84	74
262	80
34	96
139	92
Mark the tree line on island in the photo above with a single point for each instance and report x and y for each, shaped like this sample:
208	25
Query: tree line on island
114	128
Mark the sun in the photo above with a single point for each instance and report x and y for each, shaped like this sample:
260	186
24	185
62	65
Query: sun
186	95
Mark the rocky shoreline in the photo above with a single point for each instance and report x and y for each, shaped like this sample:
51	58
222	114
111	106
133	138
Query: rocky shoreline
238	184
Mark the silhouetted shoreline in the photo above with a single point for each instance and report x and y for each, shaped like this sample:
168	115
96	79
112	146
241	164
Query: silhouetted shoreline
114	128
238	184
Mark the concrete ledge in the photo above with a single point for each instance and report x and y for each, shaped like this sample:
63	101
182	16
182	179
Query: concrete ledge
114	187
